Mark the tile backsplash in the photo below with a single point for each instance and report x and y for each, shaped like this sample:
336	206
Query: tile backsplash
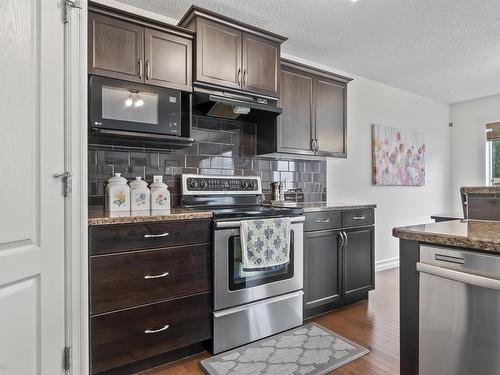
222	147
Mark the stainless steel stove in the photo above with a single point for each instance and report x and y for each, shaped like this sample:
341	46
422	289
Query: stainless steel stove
247	305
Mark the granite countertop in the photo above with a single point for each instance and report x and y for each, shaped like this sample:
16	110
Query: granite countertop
331	206
480	189
472	234
106	218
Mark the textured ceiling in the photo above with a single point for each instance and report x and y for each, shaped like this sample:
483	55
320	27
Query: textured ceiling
448	50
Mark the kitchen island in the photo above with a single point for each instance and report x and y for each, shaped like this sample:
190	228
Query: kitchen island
447	270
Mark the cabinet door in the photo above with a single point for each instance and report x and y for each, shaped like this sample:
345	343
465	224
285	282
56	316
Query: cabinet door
321	268
115	48
359	262
218	54
168	60
330	117
261	65
295	124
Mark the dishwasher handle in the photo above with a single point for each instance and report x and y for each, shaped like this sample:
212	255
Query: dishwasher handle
462	277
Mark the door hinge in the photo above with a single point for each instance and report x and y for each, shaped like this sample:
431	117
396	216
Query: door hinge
67	5
67	358
66	179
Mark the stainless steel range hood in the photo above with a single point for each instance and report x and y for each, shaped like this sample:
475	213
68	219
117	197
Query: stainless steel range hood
223	103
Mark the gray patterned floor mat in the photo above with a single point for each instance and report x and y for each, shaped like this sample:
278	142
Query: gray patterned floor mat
307	350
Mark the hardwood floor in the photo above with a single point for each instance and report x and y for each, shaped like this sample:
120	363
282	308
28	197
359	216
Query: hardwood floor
373	324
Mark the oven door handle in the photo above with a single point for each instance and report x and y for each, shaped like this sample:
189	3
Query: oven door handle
237	223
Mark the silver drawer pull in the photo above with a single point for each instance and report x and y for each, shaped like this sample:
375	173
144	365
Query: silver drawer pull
156	276
323	221
359	218
149	331
156	235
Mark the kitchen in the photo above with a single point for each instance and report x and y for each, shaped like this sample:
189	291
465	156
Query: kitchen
199	131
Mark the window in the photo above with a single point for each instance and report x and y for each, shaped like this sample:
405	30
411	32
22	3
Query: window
493	149
494	162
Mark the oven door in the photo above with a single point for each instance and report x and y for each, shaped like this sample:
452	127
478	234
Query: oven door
127	106
233	286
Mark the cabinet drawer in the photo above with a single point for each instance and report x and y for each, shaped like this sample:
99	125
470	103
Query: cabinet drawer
127	279
128	336
322	220
357	218
124	237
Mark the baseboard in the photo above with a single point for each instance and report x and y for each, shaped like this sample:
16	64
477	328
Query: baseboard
386	264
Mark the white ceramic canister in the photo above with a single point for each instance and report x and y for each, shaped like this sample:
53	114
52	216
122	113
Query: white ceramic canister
139	195
160	196
117	194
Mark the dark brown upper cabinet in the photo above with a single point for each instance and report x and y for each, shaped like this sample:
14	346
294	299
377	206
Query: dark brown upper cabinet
218	54
330	117
116	48
313	122
125	48
234	55
296	123
261	65
168	60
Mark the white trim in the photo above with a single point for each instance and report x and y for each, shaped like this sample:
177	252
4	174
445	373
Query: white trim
385	264
138	11
77	332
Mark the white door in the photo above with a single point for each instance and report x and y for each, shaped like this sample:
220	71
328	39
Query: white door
31	202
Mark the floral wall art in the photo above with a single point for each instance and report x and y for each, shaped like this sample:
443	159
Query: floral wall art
398	156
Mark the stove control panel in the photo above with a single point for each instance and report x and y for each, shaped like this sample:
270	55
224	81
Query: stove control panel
220	185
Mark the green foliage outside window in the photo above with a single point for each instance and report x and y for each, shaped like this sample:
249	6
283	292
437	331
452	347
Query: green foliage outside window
495	159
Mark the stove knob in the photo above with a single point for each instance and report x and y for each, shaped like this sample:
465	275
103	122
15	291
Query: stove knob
244	184
253	184
203	184
193	184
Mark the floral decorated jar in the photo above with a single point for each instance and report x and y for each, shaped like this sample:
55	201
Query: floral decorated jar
139	195
117	194
160	196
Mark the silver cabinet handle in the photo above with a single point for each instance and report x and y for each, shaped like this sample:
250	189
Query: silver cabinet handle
141	68
238	76
344	234
341	240
148	70
359	218
313	144
323	221
164	328
244	78
156	235
165	274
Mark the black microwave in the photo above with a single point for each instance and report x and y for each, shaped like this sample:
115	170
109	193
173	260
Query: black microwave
134	107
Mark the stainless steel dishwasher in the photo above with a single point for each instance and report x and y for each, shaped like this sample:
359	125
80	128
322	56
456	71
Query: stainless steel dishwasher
459	312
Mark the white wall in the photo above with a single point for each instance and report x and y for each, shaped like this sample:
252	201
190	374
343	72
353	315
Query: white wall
350	180
468	142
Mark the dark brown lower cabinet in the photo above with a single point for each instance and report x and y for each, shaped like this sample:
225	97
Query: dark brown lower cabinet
126	336
339	263
150	294
322	260
359	261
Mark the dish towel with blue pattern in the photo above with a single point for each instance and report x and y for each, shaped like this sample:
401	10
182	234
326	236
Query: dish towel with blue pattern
265	243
